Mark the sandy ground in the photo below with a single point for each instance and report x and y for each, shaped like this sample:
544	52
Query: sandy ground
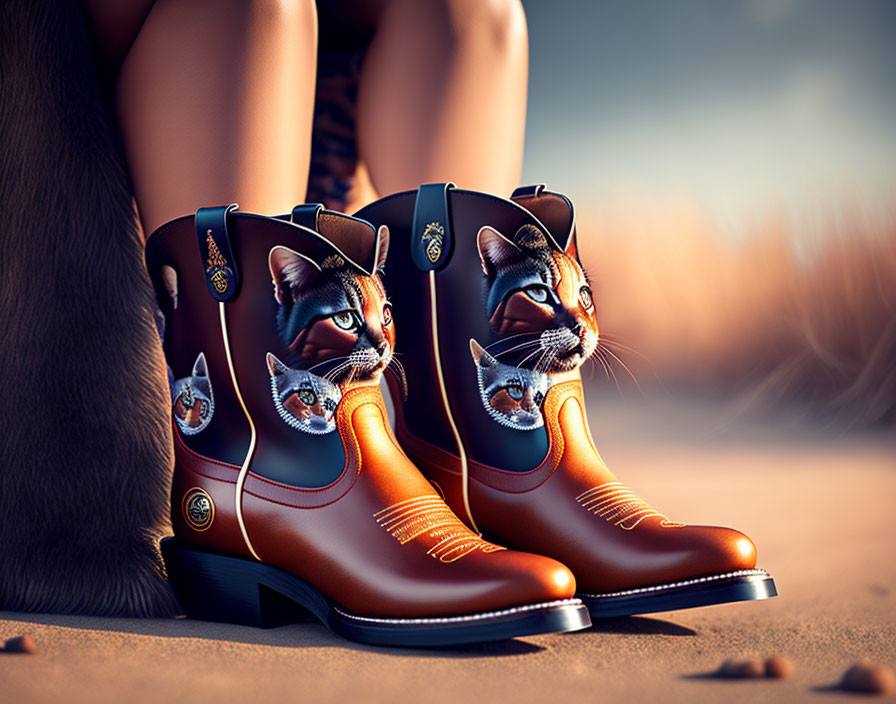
820	508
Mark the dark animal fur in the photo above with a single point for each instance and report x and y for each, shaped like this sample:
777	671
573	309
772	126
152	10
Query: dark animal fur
85	451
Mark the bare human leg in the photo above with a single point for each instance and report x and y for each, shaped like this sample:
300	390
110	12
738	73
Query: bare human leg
215	102
442	95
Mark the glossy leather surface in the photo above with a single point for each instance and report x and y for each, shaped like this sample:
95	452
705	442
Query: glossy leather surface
547	491
460	300
374	536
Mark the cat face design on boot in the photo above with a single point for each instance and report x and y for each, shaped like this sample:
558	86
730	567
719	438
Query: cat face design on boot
532	288
304	400
511	395
328	313
194	403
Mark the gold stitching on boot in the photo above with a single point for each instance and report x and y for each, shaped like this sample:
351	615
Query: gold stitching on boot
429	516
616	503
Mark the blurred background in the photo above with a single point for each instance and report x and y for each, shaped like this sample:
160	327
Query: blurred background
733	165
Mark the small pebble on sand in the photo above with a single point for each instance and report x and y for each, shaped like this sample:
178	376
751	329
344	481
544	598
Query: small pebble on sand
869	677
778	667
741	669
20	644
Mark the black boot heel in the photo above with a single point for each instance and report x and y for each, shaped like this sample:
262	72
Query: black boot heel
213	586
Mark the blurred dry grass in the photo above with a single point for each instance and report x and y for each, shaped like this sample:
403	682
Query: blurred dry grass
773	317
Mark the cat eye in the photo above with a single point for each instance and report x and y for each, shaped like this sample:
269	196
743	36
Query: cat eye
344	320
537	293
515	391
585	297
387	314
307	396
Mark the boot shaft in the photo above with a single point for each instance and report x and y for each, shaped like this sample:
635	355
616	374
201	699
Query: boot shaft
260	369
475	347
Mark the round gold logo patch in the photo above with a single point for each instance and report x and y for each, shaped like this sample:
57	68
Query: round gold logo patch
198	509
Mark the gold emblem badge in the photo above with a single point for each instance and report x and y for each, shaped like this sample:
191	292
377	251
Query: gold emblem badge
432	238
217	265
198	509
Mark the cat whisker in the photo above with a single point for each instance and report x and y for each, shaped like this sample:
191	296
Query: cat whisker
326	361
520	346
619	346
627	370
331	375
523	334
597	359
546	359
545	364
397	368
527	357
612	373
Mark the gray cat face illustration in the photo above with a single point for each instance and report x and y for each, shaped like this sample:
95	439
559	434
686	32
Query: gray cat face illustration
511	395
305	401
193	401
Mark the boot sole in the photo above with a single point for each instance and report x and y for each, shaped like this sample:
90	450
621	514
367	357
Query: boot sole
742	585
215	586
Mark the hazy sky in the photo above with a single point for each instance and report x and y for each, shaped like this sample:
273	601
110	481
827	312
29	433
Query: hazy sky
740	106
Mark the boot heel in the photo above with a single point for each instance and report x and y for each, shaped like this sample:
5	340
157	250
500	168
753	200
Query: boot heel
215	587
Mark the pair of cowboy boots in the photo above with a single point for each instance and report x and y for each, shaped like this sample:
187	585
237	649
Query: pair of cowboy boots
488	514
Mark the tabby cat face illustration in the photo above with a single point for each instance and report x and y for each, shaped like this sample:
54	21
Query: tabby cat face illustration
535	289
511	395
194	403
304	400
330	313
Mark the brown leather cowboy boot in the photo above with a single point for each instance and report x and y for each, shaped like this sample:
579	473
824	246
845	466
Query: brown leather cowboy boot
290	491
496	317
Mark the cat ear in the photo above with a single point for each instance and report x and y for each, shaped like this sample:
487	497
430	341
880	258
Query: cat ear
290	271
481	355
275	366
530	237
572	248
382	248
495	250
169	278
200	368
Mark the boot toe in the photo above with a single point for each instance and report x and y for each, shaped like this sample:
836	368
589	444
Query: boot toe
532	579
724	550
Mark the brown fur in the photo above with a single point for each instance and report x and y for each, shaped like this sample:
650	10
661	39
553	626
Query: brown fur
84	432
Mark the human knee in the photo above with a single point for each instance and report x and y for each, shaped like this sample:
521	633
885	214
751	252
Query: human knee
502	23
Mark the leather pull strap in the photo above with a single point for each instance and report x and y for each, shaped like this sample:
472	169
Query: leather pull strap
431	239
306	215
219	266
527	191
